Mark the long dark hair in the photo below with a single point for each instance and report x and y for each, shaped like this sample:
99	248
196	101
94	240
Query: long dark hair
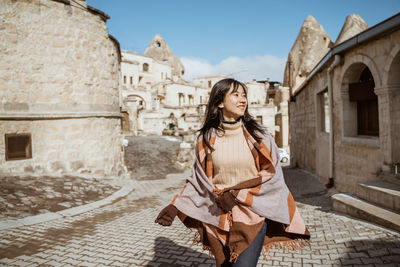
213	118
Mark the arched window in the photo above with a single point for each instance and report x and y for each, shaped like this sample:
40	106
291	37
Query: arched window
145	67
362	92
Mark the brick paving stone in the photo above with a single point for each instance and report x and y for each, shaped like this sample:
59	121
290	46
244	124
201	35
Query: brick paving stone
321	257
183	263
103	261
39	260
54	263
391	258
71	261
371	260
21	263
378	252
164	260
346	261
73	256
334	256
154	264
357	255
293	260
125	231
394	251
56	258
88	253
117	263
311	261
87	264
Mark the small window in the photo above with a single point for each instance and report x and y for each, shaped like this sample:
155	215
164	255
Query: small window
209	84
131	79
124	79
158	44
140	79
323	107
259	119
145	67
181	97
18	146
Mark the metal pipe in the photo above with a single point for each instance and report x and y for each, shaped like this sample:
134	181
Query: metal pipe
336	62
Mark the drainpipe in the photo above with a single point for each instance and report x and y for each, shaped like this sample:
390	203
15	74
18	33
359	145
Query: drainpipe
336	61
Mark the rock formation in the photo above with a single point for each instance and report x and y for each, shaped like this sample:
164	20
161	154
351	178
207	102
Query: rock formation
353	25
159	50
310	46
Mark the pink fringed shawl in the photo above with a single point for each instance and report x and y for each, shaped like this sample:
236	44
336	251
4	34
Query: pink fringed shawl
264	197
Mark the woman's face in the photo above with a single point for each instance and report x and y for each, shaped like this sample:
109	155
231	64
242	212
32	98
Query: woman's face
234	104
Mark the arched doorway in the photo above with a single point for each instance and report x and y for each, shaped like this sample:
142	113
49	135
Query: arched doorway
393	99
360	103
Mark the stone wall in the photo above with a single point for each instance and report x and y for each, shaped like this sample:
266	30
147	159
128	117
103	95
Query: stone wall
81	146
357	158
59	81
302	130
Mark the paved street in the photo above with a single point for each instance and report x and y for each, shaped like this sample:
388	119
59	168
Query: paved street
124	234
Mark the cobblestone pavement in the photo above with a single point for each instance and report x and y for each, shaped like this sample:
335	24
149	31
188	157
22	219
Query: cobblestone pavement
29	195
124	234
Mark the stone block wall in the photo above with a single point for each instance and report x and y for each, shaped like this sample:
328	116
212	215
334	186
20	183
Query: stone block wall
67	146
302	131
59	81
55	53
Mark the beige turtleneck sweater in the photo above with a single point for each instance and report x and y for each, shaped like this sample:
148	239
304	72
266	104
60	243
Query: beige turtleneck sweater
232	159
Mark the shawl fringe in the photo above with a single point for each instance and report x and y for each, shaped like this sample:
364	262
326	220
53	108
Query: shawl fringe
289	246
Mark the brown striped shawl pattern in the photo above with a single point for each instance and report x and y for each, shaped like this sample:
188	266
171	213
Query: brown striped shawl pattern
264	197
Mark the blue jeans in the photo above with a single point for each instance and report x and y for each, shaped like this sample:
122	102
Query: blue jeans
250	256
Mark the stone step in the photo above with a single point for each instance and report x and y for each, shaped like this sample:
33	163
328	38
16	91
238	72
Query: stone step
382	193
390	177
361	209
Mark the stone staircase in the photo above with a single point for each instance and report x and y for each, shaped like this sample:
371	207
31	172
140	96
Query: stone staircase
374	201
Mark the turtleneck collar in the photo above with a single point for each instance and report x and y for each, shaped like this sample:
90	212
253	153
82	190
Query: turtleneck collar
231	129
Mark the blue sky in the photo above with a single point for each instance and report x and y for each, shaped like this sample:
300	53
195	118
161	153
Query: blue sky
251	38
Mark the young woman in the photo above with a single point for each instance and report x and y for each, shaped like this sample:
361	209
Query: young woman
236	197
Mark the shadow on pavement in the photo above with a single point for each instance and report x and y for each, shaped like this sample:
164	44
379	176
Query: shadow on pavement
168	254
58	236
368	252
307	189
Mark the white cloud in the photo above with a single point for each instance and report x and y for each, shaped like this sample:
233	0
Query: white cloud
243	69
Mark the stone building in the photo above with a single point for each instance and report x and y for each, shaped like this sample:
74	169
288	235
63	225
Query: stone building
344	108
156	97
59	90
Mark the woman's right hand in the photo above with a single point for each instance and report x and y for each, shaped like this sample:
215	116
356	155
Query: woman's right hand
167	215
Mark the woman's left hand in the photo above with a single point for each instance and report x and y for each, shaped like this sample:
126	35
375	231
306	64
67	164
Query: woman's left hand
226	201
167	215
